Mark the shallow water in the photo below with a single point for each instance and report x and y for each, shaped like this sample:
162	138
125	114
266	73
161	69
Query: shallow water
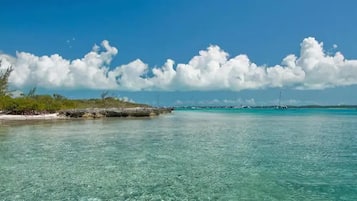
188	155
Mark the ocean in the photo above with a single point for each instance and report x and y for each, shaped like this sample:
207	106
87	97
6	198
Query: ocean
205	154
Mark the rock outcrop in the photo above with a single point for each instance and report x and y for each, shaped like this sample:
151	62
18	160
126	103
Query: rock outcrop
114	112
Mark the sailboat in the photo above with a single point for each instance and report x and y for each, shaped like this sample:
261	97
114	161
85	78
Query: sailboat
279	106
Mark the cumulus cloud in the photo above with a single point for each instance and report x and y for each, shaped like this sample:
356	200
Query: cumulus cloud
211	69
220	102
56	72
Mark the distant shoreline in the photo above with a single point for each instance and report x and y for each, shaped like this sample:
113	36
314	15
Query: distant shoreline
271	107
135	112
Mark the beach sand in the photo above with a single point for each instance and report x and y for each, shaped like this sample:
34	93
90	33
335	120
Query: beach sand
30	117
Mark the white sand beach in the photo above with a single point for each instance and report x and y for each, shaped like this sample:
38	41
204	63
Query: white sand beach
30	117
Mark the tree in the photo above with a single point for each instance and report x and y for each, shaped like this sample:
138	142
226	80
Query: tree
4	80
32	92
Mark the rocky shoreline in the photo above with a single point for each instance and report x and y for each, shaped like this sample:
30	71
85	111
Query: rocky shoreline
93	113
114	112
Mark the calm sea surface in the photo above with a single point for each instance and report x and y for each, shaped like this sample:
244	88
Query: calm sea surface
302	154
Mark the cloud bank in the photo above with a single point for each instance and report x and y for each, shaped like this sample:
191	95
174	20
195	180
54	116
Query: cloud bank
211	69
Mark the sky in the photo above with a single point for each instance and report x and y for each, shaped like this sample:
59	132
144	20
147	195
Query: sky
180	52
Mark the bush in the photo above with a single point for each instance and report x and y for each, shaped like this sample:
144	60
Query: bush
41	104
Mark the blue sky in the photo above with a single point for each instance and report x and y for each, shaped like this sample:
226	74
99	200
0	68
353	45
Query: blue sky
141	35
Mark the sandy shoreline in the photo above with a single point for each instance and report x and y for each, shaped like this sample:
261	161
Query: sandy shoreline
31	117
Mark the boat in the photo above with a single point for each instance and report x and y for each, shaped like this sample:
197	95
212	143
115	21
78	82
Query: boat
279	106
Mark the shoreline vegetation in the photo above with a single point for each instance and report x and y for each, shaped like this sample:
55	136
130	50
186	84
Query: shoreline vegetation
58	107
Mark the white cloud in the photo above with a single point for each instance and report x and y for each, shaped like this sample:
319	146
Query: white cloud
56	72
220	102
251	101
211	69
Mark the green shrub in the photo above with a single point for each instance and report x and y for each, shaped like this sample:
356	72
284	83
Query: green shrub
37	104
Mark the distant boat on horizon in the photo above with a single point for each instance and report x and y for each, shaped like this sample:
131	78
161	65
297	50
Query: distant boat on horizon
279	106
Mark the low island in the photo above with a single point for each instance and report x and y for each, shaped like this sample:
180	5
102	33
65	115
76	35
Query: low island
58	107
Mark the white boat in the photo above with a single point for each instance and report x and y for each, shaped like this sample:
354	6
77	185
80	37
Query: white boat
279	106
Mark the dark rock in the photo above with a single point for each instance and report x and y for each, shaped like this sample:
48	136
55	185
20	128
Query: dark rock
115	112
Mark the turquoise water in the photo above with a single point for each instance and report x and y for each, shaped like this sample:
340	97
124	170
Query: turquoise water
302	154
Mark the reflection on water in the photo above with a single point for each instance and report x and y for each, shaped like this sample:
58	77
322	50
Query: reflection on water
193	155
